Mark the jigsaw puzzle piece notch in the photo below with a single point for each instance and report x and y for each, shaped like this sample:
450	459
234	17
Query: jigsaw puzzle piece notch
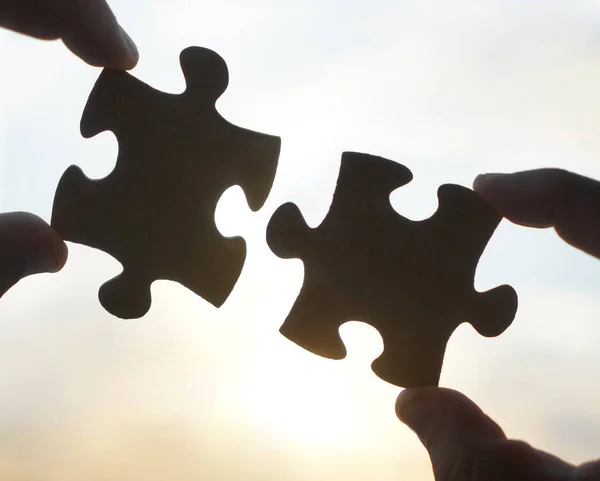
255	163
465	222
112	103
77	201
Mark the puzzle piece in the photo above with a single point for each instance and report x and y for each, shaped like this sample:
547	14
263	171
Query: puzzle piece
412	281
155	211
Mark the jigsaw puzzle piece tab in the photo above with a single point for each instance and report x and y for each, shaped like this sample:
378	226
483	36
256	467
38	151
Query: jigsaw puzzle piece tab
113	102
287	232
128	294
492	312
77	204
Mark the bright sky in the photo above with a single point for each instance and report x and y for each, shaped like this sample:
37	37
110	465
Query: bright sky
450	89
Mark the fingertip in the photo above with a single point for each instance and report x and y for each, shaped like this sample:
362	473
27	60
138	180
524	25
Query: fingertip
440	416
418	396
93	33
410	398
28	240
484	182
479	182
60	252
116	51
132	55
421	398
416	407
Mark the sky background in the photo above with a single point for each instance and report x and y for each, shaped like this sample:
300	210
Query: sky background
451	89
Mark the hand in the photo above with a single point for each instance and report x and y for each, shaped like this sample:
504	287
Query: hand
87	27
548	198
466	445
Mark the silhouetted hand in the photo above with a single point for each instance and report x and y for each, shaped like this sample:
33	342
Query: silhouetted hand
548	198
466	445
89	28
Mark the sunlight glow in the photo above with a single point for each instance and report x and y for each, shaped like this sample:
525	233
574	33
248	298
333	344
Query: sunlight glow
315	401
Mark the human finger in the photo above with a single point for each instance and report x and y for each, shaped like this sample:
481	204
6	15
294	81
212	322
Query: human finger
447	423
27	246
87	27
548	198
467	445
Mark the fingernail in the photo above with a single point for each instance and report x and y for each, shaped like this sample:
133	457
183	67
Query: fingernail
415	410
483	179
131	48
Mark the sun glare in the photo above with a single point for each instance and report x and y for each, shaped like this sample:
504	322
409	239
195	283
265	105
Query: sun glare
313	401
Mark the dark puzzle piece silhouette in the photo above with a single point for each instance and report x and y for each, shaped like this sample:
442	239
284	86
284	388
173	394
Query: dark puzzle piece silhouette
155	211
412	281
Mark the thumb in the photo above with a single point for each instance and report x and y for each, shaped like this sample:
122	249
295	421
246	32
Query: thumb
27	246
464	443
447	422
